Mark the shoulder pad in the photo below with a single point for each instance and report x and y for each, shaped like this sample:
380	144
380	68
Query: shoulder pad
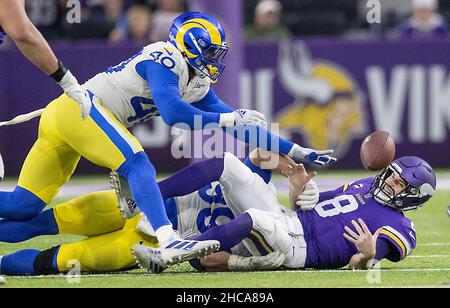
167	55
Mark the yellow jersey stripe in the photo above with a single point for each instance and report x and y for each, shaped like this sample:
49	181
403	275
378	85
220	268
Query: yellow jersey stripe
396	239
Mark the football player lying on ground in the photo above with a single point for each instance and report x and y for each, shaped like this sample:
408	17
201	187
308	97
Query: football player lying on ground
168	79
110	236
324	226
357	224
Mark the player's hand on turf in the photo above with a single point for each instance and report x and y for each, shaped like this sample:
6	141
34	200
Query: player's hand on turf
73	89
317	157
364	240
217	262
243	117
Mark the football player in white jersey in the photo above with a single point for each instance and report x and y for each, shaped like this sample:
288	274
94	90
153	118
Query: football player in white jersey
110	238
168	79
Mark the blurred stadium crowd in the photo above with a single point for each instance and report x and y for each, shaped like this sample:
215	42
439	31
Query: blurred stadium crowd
147	21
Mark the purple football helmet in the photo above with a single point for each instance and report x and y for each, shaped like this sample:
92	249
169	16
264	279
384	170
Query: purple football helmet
420	187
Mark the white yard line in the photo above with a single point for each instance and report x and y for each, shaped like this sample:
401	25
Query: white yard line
430	256
386	270
432	244
225	273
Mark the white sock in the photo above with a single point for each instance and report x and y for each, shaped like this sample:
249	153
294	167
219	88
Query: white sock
165	234
1	257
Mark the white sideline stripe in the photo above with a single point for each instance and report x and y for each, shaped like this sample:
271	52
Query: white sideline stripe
224	273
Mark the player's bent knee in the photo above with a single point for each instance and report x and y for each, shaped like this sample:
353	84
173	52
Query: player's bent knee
26	205
256	216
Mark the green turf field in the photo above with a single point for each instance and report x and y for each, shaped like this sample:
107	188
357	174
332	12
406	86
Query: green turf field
429	265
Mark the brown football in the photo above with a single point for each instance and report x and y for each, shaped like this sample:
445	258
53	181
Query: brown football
377	151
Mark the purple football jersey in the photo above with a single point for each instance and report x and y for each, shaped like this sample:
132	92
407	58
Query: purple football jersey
2	35
324	226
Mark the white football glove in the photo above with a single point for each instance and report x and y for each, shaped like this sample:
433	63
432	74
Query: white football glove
261	263
242	117
302	154
309	198
73	89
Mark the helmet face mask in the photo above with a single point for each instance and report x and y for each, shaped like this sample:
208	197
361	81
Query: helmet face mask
419	182
201	40
210	63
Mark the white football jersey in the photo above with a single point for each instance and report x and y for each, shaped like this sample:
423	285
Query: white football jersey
198	212
202	210
126	94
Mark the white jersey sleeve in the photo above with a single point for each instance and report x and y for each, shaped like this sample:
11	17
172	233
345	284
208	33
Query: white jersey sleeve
124	91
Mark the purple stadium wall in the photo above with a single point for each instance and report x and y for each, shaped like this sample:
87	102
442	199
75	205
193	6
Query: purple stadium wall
323	92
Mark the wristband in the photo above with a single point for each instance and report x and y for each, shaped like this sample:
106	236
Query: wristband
227	119
60	73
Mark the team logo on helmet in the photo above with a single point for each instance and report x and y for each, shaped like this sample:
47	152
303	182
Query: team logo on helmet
201	39
328	110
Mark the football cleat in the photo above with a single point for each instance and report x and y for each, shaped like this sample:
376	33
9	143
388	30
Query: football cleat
156	260
127	205
149	259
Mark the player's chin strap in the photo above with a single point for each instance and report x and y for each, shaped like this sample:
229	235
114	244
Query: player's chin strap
23	118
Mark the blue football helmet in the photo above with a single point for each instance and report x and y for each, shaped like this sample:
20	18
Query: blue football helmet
201	40
420	182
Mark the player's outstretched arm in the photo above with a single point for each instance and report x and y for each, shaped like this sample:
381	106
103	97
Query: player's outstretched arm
229	116
35	48
365	242
175	112
270	161
28	39
212	103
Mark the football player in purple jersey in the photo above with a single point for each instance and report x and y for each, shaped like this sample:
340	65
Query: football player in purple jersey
357	224
15	22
